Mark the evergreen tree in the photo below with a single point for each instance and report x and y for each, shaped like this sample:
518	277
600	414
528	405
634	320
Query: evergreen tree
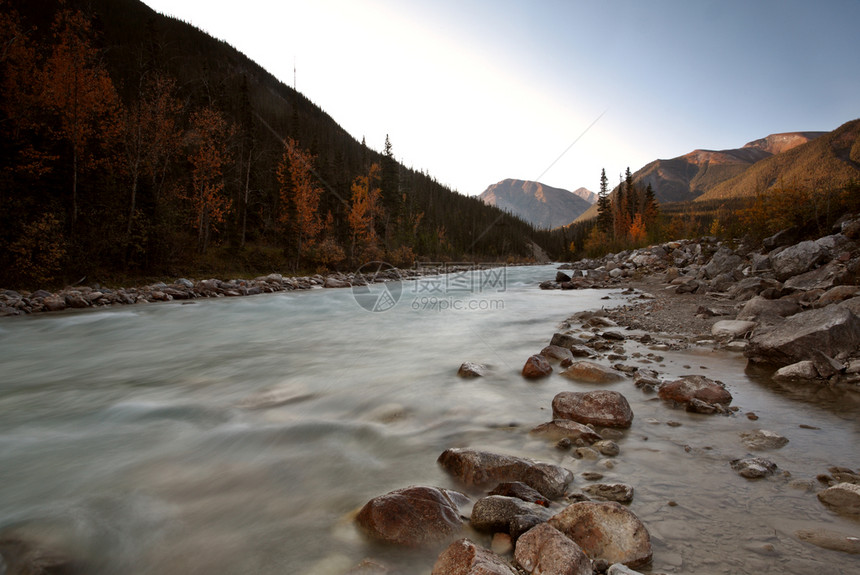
604	207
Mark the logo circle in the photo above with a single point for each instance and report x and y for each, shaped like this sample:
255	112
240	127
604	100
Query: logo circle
377	286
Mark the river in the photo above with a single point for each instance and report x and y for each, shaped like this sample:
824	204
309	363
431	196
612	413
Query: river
237	435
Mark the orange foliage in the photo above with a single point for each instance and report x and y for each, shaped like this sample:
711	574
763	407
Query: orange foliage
637	233
365	209
77	90
300	190
208	155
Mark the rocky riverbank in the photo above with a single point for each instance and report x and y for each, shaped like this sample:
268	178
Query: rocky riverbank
792	307
14	303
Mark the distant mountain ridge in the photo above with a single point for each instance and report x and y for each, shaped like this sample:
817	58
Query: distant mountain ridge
538	204
694	175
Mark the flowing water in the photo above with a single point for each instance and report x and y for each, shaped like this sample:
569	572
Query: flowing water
238	435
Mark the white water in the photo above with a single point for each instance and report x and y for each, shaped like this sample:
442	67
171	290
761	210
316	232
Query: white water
237	435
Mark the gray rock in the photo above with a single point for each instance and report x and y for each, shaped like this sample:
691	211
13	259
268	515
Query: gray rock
463	557
754	467
798	259
724	261
842	498
824	278
607	531
753	286
618	492
590	372
481	468
760	307
619	569
494	513
186	283
732	328
469	370
413	517
563	340
602	408
544	550
760	439
801	370
607	447
831	330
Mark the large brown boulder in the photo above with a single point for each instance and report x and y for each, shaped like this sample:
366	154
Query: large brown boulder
463	557
691	387
602	408
842	498
590	372
607	531
546	550
494	513
832	331
481	468
413	517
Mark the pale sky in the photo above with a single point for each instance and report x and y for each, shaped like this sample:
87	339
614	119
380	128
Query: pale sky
476	91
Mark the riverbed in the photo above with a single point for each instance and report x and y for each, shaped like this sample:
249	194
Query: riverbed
238	435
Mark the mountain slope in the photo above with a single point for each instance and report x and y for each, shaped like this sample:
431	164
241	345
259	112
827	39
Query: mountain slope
540	205
831	161
693	175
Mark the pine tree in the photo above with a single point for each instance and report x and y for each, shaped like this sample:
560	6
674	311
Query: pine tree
604	207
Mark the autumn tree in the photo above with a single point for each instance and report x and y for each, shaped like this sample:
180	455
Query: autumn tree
208	156
365	210
300	193
77	90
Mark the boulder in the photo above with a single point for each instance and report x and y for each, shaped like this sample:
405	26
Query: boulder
590	372
469	369
481	468
761	307
463	557
520	490
557	352
798	259
760	439
561	277
831	330
536	367
607	531
724	261
753	286
564	340
494	513
566	429
602	408
413	517
824	278
544	550
691	387
754	467
837	294
801	370
333	282
619	492
732	328
842	498
54	303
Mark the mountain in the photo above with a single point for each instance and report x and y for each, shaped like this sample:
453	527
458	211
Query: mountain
829	161
693	175
538	204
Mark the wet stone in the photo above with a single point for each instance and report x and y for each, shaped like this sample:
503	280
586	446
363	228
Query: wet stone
754	467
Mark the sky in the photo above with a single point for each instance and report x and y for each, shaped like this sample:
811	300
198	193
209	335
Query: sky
476	91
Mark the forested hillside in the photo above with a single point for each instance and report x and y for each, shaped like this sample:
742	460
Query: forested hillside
133	144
